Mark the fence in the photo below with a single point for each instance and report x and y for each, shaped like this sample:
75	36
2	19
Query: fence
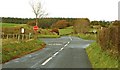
16	36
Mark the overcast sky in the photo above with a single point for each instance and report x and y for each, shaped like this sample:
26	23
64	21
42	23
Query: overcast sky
92	9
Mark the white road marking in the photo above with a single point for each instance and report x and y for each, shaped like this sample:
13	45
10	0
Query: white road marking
61	49
66	45
33	58
54	44
30	55
53	55
36	54
70	38
46	61
86	46
16	61
34	65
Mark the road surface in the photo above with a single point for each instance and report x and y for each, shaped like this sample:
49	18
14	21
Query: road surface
64	52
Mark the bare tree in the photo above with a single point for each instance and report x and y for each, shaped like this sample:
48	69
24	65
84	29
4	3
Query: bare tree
37	9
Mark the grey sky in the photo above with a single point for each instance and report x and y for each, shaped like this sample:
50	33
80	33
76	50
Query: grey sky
92	9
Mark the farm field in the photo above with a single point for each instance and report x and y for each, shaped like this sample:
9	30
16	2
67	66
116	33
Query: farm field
10	24
66	31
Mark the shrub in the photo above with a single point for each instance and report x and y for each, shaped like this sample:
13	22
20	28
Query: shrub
81	25
31	23
55	30
60	24
109	40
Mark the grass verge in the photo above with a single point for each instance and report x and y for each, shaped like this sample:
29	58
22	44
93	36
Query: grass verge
87	36
100	58
49	36
15	50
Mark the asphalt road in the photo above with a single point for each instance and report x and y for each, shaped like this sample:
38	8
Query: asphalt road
64	52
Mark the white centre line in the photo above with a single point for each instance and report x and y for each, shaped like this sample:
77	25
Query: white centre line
46	61
70	38
61	49
54	54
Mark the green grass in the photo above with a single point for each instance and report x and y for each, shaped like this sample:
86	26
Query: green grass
10	24
65	31
100	58
15	50
49	36
87	36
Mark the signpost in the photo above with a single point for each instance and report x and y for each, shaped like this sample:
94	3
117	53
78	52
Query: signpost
35	28
22	32
94	31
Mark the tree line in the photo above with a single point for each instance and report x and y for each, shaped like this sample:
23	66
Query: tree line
52	22
42	22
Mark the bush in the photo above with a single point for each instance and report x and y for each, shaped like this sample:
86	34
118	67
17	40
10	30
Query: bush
55	30
109	40
11	30
81	25
15	30
31	23
60	24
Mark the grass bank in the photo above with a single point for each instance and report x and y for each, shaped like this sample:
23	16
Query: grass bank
100	58
15	50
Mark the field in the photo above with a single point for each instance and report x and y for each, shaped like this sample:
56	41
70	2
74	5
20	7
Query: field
10	24
100	58
66	31
47	34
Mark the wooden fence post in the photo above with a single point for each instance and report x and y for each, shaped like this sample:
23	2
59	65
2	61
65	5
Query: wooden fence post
22	36
18	37
7	36
13	36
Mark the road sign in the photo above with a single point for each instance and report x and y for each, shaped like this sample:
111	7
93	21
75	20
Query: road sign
22	30
35	28
94	31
